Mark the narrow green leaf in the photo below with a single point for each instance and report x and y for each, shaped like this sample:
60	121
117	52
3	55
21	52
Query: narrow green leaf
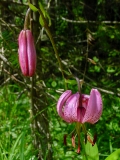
12	152
42	8
22	144
72	82
47	15
32	7
41	21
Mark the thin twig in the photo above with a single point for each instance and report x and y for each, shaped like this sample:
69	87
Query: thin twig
104	90
53	44
94	22
91	80
4	59
13	77
3	23
13	2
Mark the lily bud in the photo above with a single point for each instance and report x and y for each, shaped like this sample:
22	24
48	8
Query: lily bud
27	53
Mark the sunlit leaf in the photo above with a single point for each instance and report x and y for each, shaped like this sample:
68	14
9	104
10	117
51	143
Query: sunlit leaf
114	156
91	152
70	81
54	84
32	7
45	13
41	21
48	19
42	9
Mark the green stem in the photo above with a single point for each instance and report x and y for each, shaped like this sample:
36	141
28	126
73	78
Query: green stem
78	127
53	44
84	129
34	126
79	85
27	19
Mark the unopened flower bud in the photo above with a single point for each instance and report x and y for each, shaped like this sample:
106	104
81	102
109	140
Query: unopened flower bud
27	53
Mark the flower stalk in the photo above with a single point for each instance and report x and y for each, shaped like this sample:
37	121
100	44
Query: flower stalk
27	19
80	108
53	44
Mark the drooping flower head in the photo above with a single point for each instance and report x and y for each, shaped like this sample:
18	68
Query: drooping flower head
27	53
80	108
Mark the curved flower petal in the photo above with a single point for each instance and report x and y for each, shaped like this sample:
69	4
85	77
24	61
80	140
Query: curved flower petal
94	108
62	101
70	109
23	60
31	53
27	53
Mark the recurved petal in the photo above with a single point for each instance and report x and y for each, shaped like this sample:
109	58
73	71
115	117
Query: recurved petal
61	102
94	107
70	109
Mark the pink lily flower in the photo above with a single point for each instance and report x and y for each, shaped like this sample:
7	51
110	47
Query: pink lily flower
80	107
27	53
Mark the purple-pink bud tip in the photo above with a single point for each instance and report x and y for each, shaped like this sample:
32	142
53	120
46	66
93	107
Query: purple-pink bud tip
27	53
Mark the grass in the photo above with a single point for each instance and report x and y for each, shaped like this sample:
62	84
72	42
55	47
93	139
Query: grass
15	131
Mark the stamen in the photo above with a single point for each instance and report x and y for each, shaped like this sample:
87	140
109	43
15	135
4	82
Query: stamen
65	141
89	139
73	140
94	140
78	150
85	138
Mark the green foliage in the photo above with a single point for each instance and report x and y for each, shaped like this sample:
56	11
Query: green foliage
15	130
114	156
32	7
94	58
91	152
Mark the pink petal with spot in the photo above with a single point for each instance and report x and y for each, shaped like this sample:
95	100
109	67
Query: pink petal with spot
23	59
61	102
94	108
83	101
70	109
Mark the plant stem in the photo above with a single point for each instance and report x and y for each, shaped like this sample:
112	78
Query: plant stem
27	19
79	85
53	44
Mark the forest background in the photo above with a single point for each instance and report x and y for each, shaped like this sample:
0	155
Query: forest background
87	38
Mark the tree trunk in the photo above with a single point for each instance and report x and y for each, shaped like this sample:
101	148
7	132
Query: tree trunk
40	124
